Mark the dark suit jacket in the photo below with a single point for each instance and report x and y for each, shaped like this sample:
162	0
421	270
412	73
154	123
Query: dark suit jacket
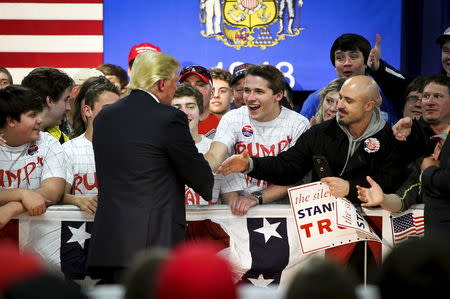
436	192
327	139
144	155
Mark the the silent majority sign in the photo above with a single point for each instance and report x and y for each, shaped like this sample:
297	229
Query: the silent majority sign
324	221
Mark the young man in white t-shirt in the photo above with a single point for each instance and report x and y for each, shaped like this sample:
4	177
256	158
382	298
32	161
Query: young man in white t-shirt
81	180
263	128
31	162
189	100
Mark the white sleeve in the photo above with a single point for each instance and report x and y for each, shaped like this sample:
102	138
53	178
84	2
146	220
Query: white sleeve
226	132
232	182
69	162
302	127
53	162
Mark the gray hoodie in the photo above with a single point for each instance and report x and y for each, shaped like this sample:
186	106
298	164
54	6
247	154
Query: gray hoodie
375	125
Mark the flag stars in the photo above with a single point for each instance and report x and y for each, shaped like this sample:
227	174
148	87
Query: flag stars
269	230
260	281
79	235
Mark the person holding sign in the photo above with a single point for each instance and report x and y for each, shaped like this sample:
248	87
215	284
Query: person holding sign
357	143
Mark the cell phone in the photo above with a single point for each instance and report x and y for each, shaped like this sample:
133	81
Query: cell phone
321	167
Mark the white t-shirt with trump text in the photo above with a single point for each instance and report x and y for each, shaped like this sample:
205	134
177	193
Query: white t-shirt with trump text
239	132
80	166
26	166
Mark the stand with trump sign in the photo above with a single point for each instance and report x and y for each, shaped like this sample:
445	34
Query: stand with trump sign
324	221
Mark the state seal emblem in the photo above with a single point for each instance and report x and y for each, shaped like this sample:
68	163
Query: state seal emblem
250	23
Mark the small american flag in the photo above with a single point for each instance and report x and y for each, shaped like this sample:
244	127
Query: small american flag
407	226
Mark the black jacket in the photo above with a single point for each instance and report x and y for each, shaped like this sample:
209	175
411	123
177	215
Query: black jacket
386	166
144	155
436	193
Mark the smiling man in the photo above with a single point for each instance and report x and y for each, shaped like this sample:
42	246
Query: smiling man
263	128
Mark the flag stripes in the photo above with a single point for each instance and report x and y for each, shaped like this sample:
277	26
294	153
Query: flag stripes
65	34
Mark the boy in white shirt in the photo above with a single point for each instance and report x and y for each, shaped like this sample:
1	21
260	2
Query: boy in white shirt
263	128
189	100
31	162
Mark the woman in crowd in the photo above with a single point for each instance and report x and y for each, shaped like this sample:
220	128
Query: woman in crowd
329	97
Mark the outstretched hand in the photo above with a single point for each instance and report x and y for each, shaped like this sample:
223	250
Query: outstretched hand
402	129
338	187
375	54
235	163
371	197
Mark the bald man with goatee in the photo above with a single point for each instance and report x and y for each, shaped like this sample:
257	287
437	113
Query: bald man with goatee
356	144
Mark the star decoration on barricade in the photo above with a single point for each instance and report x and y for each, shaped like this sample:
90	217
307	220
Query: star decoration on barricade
269	230
79	235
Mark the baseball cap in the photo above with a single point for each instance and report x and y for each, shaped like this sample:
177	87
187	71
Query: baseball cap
141	48
198	70
445	36
239	72
17	265
195	271
84	74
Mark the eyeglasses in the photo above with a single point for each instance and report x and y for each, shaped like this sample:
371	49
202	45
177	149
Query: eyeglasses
413	98
197	69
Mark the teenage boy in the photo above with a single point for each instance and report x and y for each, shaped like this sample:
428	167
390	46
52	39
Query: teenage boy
349	55
189	100
31	162
54	87
264	128
222	94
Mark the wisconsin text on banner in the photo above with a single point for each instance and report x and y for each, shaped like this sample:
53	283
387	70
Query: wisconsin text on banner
66	34
323	221
408	225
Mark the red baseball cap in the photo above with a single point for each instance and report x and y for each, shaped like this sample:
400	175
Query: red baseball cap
195	271
198	70
141	48
17	266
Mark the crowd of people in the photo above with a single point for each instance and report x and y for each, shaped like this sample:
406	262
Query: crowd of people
135	152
